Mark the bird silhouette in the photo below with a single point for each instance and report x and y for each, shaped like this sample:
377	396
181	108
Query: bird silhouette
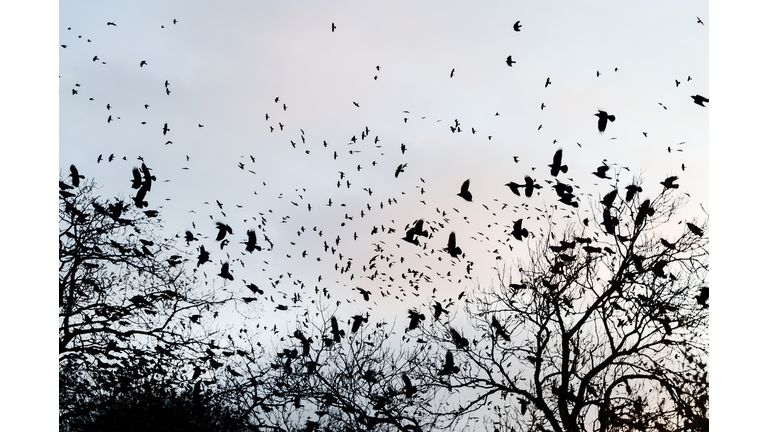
337	334
223	230
358	320
600	172
510	62
602	120
609	198
203	257
518	231
333	27
632	190
75	176
546	84
460	341
465	191
452	71
165	129
143	62
400	169
410	389
111	23
694	229
644	211
452	249
366	294
136	179
516	27
669	183
499	328
225	271
415	318
250	244
448	367
556	165
699	100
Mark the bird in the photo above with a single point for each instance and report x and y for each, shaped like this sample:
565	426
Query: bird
136	179
699	100
448	367
358	320
112	24
452	71
677	83
143	62
556	166
499	329
165	128
518	232
366	294
464	193
510	62
452	249
250	244
699	21
223	230
609	198
410	390
356	104
516	27
546	84
337	334
530	185
669	183
400	169
95	58
644	211
694	229
632	190
225	271
602	120
703	296
333	27
415	318
601	170
460	341
75	175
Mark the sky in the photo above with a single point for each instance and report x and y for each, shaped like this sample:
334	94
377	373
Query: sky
226	65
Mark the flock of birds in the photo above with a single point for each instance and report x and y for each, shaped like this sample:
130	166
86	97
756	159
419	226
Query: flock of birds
232	242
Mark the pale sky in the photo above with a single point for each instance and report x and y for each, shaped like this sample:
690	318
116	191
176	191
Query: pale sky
226	65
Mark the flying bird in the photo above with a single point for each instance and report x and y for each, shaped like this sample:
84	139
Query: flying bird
452	249
333	27
602	120
448	367
465	191
669	183
415	318
694	229
517	26
510	62
452	71
699	100
75	175
223	230
601	170
499	329
225	271
518	232
250	244
400	169
556	165
165	129
143	62
546	84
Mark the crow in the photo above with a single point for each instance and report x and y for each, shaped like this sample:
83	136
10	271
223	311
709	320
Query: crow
452	71
400	168
333	29
143	62
139	198
223	230
136	179
189	237
608	198
601	172
516	27
694	229
75	176
556	165
510	62
366	294
337	334
438	310
699	100
465	191
669	183
499	329
518	231
458	339
448	367
203	257
644	211
452	249
250	244
358	320
165	129
415	318
225	272
546	84
632	190
602	120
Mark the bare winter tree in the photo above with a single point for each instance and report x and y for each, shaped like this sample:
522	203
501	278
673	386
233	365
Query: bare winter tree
603	329
128	309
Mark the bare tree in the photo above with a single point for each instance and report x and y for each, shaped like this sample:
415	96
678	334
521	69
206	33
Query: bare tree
603	329
126	302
